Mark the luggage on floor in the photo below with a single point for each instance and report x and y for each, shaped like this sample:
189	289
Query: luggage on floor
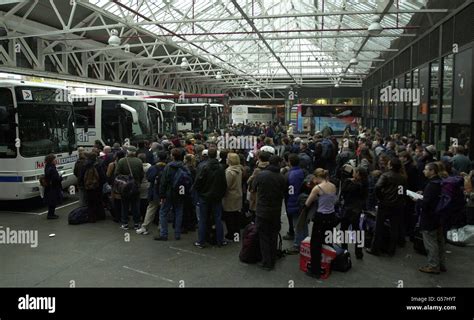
328	254
367	224
342	262
250	251
78	216
461	237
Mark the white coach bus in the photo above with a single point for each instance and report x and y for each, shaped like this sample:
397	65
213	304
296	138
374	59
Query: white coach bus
110	119
246	114
35	121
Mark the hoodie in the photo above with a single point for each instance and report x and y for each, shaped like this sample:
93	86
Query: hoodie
211	184
166	183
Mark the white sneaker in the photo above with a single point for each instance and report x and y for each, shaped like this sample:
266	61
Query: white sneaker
142	230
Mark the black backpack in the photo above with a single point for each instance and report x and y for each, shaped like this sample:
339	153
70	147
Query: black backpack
342	262
158	178
78	216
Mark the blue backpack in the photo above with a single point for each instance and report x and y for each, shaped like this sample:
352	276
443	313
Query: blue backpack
328	149
182	183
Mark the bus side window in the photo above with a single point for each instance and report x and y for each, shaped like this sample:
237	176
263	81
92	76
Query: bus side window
7	124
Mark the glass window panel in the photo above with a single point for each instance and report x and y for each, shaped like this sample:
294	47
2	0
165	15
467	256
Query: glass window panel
434	92
447	89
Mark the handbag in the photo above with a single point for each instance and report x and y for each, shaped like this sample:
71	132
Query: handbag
125	185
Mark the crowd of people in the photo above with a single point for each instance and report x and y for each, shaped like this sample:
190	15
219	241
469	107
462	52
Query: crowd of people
188	181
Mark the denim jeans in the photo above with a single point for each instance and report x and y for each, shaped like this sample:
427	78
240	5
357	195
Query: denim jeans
134	204
299	236
216	208
435	246
178	213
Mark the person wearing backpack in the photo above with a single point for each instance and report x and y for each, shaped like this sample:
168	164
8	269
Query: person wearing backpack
430	222
175	185
153	175
93	178
133	167
211	186
328	152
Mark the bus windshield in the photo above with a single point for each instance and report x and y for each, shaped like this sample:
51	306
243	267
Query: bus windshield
117	123
45	126
169	115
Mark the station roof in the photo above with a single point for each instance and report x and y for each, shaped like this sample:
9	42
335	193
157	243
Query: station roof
233	44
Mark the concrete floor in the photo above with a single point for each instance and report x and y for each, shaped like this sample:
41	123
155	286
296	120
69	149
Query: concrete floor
97	255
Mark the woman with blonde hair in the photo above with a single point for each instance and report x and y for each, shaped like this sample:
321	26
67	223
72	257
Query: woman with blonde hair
324	218
232	201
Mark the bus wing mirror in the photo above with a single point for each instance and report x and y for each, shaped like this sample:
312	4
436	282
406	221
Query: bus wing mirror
132	111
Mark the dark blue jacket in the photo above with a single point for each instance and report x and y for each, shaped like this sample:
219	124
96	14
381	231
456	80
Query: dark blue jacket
295	179
166	182
53	192
429	220
153	194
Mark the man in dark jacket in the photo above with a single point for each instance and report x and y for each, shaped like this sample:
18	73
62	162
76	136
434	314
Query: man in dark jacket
408	219
271	189
169	197
211	186
390	191
430	222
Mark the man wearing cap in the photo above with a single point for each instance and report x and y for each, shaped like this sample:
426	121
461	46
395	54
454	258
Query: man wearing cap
134	166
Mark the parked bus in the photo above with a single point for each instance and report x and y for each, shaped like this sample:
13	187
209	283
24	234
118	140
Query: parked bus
217	113
110	119
308	118
35	120
194	117
168	111
252	114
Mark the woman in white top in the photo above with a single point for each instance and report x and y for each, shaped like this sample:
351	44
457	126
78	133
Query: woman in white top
324	218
